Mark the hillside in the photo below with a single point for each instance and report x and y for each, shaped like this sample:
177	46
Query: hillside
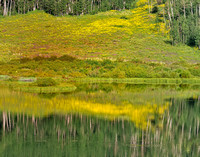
126	36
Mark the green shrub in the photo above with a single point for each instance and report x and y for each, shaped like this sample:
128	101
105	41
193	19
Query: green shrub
154	9
123	17
184	73
77	74
195	71
44	82
94	73
106	75
117	73
67	58
139	72
92	62
105	62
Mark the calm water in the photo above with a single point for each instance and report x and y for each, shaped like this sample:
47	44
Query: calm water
102	120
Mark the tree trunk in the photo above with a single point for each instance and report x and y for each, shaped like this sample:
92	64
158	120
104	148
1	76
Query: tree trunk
172	10
191	8
34	6
4	8
10	8
184	9
170	19
18	7
4	121
24	7
149	6
91	4
199	9
8	4
124	4
37	4
14	4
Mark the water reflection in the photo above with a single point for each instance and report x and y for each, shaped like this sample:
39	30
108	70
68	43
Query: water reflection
166	122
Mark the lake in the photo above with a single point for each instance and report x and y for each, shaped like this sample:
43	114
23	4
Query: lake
102	120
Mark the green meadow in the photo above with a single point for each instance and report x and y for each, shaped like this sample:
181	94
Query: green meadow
113	44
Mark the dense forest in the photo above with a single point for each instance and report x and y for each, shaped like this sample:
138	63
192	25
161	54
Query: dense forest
62	7
184	18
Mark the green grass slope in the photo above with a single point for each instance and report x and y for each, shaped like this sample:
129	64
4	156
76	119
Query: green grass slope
114	34
129	36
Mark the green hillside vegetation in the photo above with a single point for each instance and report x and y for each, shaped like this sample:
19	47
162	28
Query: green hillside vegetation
113	44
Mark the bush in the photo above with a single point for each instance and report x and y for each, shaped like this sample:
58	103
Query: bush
44	82
67	58
77	74
123	17
138	72
117	73
154	10
184	73
195	71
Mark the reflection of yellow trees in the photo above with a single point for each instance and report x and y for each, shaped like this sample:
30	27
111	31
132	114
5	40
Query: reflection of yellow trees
33	105
139	114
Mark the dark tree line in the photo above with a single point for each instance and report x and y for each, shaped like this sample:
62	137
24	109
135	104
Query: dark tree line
62	7
184	19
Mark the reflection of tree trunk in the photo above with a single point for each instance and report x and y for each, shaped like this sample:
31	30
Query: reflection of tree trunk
90	124
4	121
197	127
23	118
142	146
13	121
9	121
115	148
189	136
33	119
58	132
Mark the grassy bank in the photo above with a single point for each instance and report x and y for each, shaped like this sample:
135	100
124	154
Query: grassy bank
164	81
33	87
70	85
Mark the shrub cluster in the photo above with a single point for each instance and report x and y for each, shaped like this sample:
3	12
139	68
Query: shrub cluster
44	82
72	68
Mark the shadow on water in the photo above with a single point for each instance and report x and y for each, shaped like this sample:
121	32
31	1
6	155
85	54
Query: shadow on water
47	95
